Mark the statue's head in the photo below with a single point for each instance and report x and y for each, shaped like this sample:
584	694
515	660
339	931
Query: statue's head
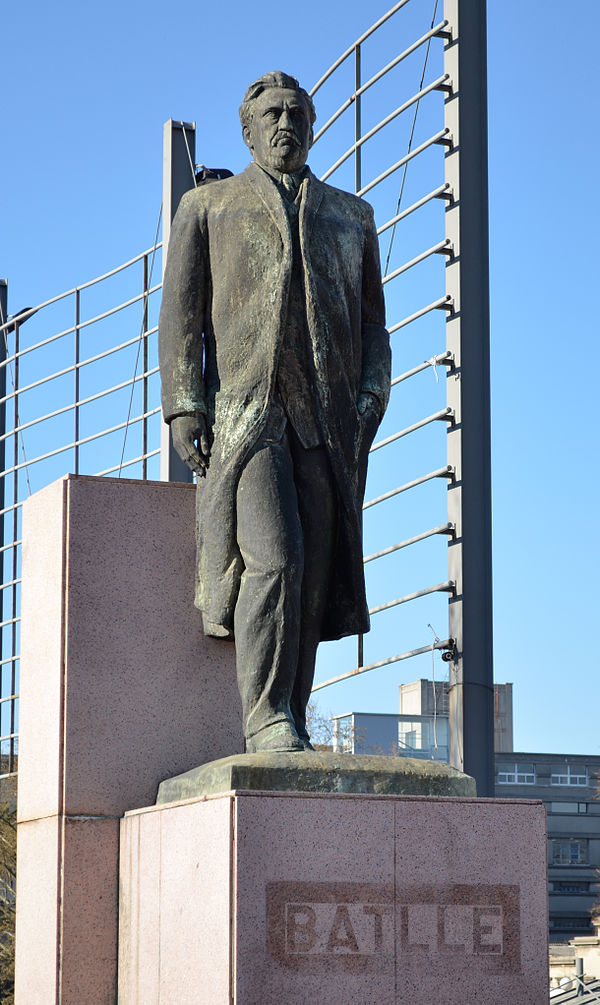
277	118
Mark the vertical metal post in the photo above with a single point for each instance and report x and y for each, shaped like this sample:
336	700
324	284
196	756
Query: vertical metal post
579	976
76	353
357	187
3	355
15	558
179	158
145	373
3	341
357	122
468	394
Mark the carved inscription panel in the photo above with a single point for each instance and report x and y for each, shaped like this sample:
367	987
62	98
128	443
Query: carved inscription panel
354	927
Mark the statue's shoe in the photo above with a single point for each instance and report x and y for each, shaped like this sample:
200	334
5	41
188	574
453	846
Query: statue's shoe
305	741
279	737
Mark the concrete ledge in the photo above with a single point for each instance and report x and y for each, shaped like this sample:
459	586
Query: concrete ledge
318	772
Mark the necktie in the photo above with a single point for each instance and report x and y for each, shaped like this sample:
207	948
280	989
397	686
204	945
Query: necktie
290	186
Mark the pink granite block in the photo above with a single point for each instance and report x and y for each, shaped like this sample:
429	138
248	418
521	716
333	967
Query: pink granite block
288	852
38	894
89	907
487	859
119	689
139	930
66	920
201	836
341	898
42	657
175	915
120	686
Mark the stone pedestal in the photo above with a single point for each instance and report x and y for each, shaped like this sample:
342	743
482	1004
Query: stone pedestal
259	897
119	690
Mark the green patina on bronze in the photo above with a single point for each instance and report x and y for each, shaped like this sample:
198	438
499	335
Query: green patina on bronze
275	367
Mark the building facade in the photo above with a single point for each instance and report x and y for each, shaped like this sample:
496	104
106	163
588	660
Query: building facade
568	786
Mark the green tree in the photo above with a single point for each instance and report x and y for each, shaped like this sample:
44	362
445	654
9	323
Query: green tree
8	874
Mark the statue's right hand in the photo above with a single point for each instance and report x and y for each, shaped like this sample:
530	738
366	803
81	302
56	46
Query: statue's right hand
190	439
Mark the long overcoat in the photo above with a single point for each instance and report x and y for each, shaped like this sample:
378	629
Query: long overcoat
222	320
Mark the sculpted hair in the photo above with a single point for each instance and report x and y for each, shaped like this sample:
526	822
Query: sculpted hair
276	78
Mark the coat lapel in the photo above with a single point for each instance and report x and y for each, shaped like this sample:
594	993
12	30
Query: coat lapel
267	191
311	200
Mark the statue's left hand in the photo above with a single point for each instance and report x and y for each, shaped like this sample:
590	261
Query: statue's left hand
190	439
368	402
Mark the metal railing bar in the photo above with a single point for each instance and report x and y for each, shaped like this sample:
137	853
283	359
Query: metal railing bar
444	357
85	439
444	413
113	272
446	472
445	245
125	464
9	659
444	528
341	59
380	73
9	621
583	989
8	697
437	192
404	160
117	348
383	663
84	286
12	544
120	307
69	331
82	401
83	362
11	582
430	33
38	345
445	302
9	509
8	736
384	122
446	587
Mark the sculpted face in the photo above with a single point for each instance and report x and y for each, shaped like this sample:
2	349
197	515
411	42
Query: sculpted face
280	133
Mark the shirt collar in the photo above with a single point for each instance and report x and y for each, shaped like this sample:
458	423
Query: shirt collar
277	175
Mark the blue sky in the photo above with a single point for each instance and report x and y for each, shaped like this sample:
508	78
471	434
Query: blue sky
87	90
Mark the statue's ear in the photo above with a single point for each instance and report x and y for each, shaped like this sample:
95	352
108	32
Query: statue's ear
246	136
311	138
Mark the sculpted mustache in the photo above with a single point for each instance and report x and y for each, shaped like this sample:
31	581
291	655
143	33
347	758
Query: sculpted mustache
286	136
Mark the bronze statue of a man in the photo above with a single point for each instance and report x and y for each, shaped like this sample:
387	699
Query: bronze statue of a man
275	366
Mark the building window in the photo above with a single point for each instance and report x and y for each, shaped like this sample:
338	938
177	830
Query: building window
570	924
569	852
570	886
516	774
568	807
569	775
